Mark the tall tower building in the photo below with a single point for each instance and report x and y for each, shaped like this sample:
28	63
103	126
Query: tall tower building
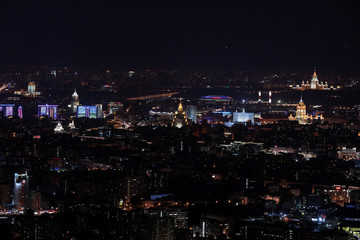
179	119
163	228
21	198
259	100
74	101
302	117
270	97
300	111
31	87
191	113
48	110
314	84
20	112
314	81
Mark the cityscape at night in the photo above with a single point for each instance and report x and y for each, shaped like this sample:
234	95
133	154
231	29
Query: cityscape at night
179	120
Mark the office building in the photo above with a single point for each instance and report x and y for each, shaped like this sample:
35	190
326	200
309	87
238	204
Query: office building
6	110
20	112
48	110
21	198
94	111
243	117
190	112
114	107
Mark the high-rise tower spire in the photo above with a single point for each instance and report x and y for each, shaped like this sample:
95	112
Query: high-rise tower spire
180	108
74	101
75	93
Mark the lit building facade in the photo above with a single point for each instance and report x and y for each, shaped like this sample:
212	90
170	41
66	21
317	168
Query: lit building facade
6	110
31	91
48	110
301	116
243	117
114	107
348	154
31	88
314	84
20	112
162	228
9	110
58	128
74	101
180	118
340	194
190	112
21	198
93	111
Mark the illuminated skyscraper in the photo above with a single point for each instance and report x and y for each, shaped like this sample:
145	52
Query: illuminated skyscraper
21	198
314	84
48	110
243	117
53	73
6	110
20	112
94	111
74	101
300	110
191	113
301	115
259	96
270	97
163	228
179	119
31	88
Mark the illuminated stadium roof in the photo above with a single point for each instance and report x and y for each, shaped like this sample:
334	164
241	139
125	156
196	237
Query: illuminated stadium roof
215	97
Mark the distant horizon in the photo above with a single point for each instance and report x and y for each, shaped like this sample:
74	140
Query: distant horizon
299	71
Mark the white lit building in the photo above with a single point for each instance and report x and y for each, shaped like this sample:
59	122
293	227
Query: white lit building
59	128
348	154
243	117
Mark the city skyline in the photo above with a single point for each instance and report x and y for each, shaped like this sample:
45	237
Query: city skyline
179	120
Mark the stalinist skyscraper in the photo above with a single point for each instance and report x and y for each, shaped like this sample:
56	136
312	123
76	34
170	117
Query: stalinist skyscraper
74	101
179	119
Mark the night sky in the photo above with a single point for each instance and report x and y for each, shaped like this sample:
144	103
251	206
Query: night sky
267	35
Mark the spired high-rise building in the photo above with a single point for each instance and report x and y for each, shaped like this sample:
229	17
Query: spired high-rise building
300	110
302	117
179	119
74	102
314	84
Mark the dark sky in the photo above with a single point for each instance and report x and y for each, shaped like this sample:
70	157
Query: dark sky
264	35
